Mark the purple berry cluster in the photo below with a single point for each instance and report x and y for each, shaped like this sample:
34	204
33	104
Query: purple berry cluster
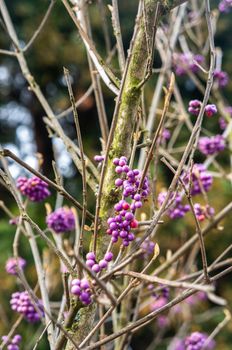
120	226
196	298
12	264
196	340
81	288
61	220
21	302
203	212
184	62
176	209
225	6
34	188
200	179
211	145
221	78
124	220
130	181
161	299
147	247
12	344
195	106
99	158
98	266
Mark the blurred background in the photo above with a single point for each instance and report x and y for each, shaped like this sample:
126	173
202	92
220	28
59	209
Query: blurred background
23	132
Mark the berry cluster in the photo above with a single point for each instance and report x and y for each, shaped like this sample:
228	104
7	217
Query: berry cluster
161	298
34	188
121	224
203	212
81	288
124	220
12	344
147	247
221	78
184	62
196	340
196	298
211	145
176	209
21	302
61	220
12	264
201	179
98	266
225	6
195	106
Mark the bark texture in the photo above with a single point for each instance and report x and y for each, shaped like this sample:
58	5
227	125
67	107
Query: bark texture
122	142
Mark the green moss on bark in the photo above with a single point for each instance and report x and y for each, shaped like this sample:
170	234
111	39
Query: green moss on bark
122	140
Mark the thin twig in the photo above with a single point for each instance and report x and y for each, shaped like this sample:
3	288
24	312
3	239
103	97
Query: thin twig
40	27
198	227
80	143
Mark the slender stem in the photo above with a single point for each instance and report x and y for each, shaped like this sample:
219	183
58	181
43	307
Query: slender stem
40	27
80	143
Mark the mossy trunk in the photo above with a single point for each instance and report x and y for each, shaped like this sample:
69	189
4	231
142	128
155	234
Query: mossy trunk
122	142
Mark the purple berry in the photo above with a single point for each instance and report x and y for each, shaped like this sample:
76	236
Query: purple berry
125	168
118	169
76	290
90	263
137	197
123	234
116	161
138	204
103	264
96	268
90	256
165	135
118	182
76	282
108	256
210	110
129	216
99	159
84	284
